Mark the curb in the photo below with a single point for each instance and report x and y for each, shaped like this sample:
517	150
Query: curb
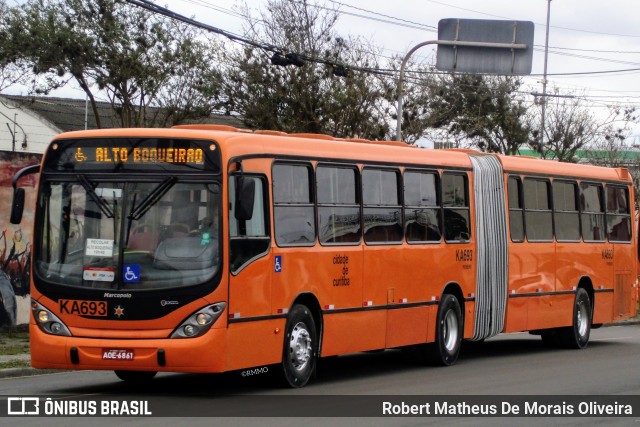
25	372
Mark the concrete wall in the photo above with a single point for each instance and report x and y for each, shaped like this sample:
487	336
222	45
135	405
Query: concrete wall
32	132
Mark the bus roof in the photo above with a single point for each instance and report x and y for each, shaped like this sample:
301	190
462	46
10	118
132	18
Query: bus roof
243	142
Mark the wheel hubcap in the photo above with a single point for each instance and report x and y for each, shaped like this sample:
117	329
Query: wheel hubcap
582	320
300	346
450	330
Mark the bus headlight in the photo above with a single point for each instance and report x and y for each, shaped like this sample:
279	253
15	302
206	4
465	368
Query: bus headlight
190	330
199	322
203	319
43	316
47	321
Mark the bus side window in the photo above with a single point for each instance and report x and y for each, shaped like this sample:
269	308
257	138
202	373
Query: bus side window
381	201
455	202
618	215
566	215
248	238
516	209
338	205
293	209
537	210
592	212
423	221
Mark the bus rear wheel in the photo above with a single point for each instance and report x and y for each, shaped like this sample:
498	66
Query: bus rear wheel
136	376
449	330
300	347
577	336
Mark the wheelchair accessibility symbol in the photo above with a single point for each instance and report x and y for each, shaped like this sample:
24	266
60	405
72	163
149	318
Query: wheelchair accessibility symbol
80	157
277	266
131	273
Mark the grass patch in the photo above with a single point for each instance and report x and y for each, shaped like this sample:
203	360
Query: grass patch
15	364
13	341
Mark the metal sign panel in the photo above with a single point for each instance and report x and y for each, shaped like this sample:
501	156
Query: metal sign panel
482	57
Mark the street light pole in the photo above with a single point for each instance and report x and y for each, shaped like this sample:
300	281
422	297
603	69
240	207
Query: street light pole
400	83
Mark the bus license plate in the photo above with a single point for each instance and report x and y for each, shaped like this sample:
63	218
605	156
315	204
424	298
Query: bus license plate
117	354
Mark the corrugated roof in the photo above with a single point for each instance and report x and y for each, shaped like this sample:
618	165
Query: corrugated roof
68	114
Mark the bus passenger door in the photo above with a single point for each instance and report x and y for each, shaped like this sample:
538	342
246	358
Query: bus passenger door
251	342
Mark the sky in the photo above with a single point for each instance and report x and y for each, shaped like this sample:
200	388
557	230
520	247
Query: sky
594	45
584	35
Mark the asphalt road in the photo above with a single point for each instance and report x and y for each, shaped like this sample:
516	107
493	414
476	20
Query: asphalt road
505	366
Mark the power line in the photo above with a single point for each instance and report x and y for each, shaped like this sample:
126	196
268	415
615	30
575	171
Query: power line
403	22
432	28
282	56
539	24
412	24
146	4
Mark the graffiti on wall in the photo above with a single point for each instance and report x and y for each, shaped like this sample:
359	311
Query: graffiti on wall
15	240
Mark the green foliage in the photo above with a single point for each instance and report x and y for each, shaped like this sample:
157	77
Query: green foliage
138	59
157	72
13	342
308	99
486	111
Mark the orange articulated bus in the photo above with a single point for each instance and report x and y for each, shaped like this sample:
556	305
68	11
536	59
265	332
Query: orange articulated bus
210	249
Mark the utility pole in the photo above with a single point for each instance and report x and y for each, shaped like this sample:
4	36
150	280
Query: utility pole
544	80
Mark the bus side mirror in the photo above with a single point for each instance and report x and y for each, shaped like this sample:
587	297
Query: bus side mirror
17	206
245	195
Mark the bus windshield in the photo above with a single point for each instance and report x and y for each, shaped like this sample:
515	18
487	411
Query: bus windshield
128	235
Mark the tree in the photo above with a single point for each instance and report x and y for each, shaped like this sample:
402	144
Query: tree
417	88
138	59
12	70
571	126
480	111
612	148
307	97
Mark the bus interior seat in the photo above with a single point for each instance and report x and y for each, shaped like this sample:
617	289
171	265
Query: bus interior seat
184	253
142	241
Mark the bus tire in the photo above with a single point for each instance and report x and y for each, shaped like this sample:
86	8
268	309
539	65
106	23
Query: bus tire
136	376
449	330
300	347
577	336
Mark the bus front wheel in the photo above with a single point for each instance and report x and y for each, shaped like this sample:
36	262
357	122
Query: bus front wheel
300	347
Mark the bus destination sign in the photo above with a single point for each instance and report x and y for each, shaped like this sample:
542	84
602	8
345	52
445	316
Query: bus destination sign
130	154
140	155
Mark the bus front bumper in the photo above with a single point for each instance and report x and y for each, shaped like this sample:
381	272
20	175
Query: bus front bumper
200	354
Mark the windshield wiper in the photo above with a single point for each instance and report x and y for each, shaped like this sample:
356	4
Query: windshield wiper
102	204
152	198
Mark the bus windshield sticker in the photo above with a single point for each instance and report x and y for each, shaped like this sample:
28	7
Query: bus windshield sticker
99	274
131	273
99	247
205	239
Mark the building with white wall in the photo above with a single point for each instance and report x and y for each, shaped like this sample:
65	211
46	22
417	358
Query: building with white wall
23	129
